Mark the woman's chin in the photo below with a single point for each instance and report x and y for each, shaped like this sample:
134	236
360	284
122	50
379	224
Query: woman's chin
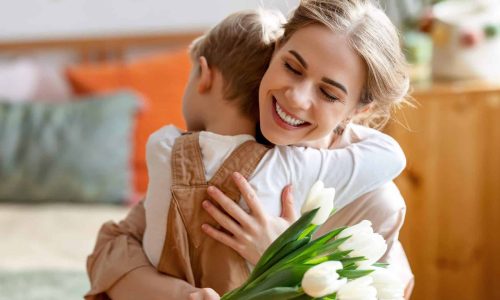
277	138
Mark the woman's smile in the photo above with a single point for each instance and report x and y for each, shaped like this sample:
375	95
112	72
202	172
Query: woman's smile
285	119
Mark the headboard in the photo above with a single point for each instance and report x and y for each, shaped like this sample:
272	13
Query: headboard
99	48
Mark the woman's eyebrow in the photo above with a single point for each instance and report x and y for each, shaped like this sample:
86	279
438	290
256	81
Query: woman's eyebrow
335	84
324	79
299	58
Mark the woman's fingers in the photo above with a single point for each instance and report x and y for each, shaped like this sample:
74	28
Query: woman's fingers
221	218
204	294
249	196
231	207
287	204
220	236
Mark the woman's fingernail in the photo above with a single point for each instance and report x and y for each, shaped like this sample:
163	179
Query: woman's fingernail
211	189
237	175
205	203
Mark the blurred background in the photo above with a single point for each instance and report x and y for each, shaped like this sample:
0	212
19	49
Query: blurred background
84	82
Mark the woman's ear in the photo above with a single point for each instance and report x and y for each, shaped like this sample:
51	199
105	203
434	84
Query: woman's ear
363	109
206	76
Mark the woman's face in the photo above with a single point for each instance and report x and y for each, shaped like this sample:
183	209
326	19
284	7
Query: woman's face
313	83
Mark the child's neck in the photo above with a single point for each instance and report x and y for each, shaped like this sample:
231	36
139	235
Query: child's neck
230	122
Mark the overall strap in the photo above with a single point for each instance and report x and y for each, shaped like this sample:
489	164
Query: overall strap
243	160
187	163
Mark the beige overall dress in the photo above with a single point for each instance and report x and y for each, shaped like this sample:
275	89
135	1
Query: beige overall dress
188	253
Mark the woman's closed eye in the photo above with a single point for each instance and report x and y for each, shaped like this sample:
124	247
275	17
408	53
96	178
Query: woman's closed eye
328	96
291	69
324	93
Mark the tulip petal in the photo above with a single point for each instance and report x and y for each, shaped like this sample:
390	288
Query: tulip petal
322	279
314	192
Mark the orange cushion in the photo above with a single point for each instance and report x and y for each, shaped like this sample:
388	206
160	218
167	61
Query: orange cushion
160	79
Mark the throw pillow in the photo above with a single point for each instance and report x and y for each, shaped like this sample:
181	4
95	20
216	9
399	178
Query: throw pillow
74	151
160	79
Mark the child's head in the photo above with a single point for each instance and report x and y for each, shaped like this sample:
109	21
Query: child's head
337	60
240	48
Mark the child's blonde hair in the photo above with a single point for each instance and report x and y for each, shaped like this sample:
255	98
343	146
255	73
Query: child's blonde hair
373	36
240	47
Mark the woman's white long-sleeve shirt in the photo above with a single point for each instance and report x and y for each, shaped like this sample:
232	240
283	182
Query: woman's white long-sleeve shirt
362	160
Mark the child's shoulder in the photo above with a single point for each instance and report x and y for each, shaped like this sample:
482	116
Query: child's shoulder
230	139
165	135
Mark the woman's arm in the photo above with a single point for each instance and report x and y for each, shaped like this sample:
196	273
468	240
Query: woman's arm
119	269
384	207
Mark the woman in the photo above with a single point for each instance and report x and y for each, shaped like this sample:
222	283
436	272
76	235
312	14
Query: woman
343	52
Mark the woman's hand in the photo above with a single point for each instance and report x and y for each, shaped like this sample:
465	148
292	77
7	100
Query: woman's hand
250	233
204	294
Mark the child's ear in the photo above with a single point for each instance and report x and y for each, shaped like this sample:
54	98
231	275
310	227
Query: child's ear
206	76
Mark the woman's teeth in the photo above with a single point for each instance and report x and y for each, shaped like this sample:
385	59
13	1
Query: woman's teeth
287	118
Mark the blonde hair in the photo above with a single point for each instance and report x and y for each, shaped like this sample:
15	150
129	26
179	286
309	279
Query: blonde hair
240	47
372	35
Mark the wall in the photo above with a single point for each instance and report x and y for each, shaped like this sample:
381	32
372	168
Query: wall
39	19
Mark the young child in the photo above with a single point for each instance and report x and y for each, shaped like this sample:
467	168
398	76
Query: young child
221	101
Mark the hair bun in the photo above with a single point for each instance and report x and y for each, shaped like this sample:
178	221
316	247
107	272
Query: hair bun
272	24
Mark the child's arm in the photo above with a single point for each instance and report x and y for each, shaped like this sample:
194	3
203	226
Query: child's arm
158	197
119	268
367	160
372	160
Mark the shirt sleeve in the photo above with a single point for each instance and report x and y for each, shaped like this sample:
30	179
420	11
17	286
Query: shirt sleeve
158	158
118	251
365	160
385	209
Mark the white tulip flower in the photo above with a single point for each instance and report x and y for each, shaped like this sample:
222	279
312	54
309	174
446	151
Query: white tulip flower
321	197
322	279
388	286
363	242
358	289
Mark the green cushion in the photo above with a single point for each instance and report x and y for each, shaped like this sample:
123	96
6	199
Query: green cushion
77	151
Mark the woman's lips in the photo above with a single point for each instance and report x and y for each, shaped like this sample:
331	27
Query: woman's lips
281	122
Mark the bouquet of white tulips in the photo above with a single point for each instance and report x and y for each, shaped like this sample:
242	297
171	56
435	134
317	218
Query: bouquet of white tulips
339	265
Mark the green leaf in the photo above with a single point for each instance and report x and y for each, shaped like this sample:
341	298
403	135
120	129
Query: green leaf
330	235
329	297
323	240
316	260
280	293
319	248
353	274
290	250
337	255
308	231
288	276
291	234
350	262
287	249
380	265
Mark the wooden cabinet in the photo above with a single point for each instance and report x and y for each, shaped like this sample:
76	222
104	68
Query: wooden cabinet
452	190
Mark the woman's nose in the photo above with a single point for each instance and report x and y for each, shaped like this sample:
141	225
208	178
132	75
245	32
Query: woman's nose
300	96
